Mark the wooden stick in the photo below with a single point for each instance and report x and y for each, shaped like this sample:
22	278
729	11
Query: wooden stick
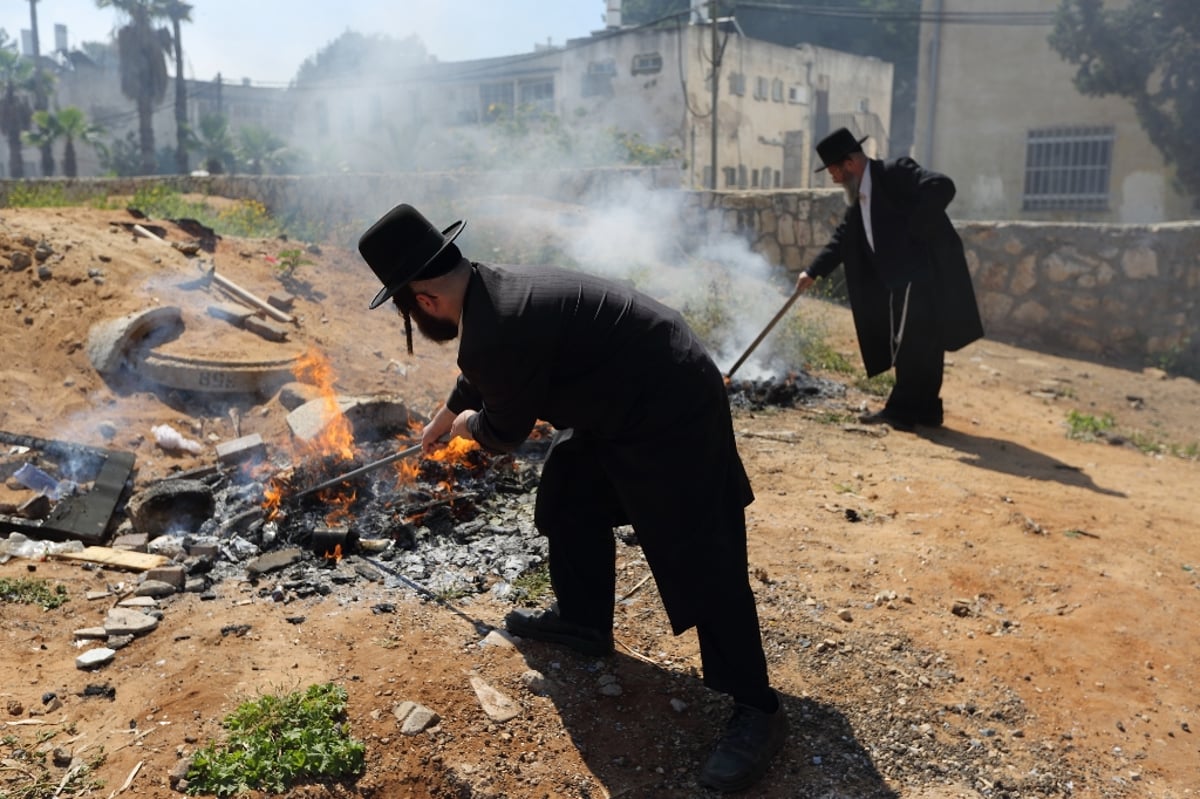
227	284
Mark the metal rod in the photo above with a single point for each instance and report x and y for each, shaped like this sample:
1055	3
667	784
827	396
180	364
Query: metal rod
763	334
370	467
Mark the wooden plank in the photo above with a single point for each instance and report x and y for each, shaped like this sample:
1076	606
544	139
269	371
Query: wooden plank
117	558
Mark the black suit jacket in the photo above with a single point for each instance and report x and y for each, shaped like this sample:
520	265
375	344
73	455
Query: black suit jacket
615	365
914	242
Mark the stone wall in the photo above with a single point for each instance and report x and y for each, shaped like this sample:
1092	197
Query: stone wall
1126	294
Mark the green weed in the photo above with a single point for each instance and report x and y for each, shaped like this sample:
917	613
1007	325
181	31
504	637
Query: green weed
1086	427
28	591
534	585
277	741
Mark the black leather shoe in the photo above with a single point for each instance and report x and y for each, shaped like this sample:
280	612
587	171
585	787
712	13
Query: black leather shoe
547	625
751	740
890	418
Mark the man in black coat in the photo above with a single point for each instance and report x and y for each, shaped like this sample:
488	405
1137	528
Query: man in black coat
906	274
643	437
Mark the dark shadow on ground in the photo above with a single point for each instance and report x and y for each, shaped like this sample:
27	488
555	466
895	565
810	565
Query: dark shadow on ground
646	730
1011	458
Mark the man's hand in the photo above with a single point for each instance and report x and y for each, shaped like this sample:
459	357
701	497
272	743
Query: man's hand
438	426
461	428
804	281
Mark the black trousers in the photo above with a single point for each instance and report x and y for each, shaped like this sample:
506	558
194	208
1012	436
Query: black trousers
920	359
577	508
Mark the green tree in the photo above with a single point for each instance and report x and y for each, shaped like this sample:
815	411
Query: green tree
15	111
142	49
216	144
261	152
46	130
75	127
179	13
353	54
1149	53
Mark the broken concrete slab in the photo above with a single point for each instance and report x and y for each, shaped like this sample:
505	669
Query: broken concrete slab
372	418
240	450
110	342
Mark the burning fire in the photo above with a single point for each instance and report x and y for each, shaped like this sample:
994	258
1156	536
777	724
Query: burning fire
337	438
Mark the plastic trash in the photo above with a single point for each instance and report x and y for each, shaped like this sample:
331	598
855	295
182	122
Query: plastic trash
172	440
19	545
32	477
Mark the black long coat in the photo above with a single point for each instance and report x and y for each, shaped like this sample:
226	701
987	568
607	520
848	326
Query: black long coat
914	241
591	355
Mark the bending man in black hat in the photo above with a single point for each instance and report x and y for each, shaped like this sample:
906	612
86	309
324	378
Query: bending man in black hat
643	437
906	274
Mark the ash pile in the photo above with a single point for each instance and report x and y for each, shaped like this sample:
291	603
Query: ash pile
449	524
787	391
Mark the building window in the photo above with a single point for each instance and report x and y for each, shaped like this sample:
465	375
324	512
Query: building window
798	95
1068	168
538	94
777	90
760	88
646	64
737	83
598	78
766	177
496	99
743	180
730	177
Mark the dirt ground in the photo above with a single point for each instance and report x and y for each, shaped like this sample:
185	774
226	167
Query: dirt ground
992	609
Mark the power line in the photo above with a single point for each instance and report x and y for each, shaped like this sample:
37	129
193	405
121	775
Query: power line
1010	18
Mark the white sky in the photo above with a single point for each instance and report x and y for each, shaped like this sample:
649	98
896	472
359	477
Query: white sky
267	40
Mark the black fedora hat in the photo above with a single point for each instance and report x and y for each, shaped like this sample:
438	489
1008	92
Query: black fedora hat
403	246
834	148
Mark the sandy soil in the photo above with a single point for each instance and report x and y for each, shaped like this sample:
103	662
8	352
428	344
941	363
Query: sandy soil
992	609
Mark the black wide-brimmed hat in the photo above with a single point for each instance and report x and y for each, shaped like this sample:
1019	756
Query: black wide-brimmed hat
404	246
834	148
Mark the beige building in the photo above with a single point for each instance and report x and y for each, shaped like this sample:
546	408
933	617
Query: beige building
650	83
998	112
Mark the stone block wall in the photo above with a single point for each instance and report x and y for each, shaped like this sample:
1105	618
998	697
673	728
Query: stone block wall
1125	294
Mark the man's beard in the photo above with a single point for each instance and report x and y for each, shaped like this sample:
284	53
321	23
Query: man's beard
433	328
850	188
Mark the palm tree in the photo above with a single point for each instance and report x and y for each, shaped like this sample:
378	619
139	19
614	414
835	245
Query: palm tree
46	131
75	127
180	12
142	49
41	86
262	151
216	144
15	112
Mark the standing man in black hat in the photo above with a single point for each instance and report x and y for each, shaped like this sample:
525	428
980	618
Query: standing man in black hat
644	437
906	274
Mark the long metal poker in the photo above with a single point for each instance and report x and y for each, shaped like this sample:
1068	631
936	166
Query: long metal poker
763	334
370	467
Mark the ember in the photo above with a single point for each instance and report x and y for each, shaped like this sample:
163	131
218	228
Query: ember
787	392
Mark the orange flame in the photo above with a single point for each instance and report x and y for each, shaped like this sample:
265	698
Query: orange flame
337	438
272	497
455	452
336	555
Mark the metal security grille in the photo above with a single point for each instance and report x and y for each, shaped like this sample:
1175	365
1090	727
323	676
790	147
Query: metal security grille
1068	169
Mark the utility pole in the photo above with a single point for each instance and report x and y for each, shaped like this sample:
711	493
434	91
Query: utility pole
40	101
716	64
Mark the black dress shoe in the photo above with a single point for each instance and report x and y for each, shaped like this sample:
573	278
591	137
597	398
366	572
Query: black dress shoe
890	418
751	740
547	625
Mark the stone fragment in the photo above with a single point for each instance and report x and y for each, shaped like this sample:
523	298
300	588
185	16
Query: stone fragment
414	718
94	658
497	706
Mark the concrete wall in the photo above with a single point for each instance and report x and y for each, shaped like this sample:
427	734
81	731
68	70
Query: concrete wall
1128	294
982	88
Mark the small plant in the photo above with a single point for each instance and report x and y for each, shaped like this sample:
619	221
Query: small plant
288	261
277	741
28	591
1086	427
880	385
534	585
36	195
